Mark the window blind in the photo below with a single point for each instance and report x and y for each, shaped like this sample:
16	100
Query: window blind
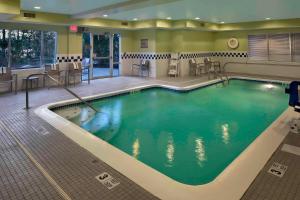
258	47
296	47
279	47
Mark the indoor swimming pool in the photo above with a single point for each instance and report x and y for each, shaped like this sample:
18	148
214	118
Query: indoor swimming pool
189	136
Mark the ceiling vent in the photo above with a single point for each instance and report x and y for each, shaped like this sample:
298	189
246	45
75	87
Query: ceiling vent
124	23
29	15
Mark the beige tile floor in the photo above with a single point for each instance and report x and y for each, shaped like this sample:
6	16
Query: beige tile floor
73	169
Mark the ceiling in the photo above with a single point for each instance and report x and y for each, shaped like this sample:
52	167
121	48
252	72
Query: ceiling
228	11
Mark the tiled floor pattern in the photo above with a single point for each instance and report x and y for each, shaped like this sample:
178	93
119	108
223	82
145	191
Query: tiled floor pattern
19	178
74	169
269	187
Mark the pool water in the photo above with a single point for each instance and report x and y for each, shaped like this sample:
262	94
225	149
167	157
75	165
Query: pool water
190	137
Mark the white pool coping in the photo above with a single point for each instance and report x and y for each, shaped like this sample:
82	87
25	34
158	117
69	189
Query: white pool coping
231	184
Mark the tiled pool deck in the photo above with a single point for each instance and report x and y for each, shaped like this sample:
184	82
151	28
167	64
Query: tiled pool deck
39	162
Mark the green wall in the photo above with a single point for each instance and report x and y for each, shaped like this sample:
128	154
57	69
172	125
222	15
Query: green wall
159	40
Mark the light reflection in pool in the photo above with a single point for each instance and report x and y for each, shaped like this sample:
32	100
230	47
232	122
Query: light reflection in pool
136	148
170	151
200	151
225	133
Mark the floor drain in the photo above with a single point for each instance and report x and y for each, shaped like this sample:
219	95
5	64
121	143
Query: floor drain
107	180
277	169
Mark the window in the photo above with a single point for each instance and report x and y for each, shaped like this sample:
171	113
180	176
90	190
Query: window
4	38
296	47
27	48
275	47
49	47
258	47
279	47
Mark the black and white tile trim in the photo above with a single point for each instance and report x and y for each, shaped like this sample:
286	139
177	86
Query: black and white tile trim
149	56
160	56
63	59
230	54
194	55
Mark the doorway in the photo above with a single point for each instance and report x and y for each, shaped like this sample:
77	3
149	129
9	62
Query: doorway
101	53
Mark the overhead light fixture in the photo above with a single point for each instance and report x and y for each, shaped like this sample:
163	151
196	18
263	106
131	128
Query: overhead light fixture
105	15
135	19
37	7
268	18
197	18
169	18
222	22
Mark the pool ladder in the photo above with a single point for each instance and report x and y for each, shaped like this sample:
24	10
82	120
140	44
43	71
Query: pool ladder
223	77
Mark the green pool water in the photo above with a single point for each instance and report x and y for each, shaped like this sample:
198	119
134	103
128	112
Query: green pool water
190	137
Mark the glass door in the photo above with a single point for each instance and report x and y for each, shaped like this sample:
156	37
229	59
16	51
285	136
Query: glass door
116	54
101	55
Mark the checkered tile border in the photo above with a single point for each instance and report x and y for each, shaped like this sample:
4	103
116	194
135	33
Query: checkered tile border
151	56
194	55
231	54
63	59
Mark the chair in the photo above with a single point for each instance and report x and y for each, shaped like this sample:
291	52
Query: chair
196	68
209	68
193	67
143	66
173	69
216	65
74	70
6	77
201	66
53	71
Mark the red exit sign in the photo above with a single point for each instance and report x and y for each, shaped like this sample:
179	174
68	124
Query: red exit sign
73	28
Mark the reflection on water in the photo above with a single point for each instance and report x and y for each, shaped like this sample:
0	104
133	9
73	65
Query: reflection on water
225	133
269	86
170	151
108	121
136	148
200	151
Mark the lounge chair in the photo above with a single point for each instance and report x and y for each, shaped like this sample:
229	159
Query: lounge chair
7	78
173	65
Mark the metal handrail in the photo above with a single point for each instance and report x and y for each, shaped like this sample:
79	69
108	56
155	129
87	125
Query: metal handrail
56	81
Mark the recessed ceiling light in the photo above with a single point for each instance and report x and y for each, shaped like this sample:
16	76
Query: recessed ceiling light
169	18
268	18
222	22
105	15
135	19
37	7
197	18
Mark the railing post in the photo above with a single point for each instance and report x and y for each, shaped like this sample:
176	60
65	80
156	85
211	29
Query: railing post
27	95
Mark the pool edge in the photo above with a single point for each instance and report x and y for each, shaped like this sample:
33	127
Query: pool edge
230	184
